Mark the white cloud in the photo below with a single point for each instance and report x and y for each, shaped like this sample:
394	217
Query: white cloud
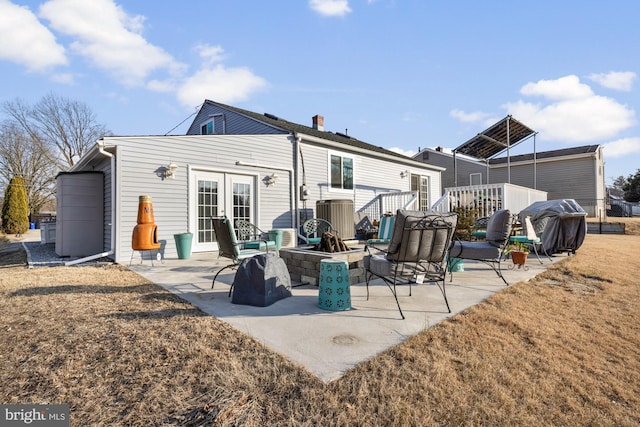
24	40
622	147
568	87
109	38
572	112
330	7
210	54
617	80
464	117
226	85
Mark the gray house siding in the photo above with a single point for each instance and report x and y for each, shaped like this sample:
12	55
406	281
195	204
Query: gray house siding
372	177
140	161
463	167
249	151
571	173
575	178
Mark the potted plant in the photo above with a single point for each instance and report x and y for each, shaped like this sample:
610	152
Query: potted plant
518	251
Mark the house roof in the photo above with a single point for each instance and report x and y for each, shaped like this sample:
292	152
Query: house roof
307	130
586	149
507	133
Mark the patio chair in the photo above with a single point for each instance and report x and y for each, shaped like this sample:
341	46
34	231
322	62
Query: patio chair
228	246
417	252
480	228
490	251
252	237
313	229
530	239
384	232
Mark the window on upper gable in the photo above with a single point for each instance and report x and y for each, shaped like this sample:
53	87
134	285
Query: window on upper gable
208	128
341	171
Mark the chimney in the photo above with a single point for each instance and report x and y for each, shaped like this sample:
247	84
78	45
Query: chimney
318	122
439	149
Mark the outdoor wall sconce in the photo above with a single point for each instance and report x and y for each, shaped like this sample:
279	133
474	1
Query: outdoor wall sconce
170	170
404	173
270	180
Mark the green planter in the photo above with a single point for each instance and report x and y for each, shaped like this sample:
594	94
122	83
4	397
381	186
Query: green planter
276	236
456	264
183	244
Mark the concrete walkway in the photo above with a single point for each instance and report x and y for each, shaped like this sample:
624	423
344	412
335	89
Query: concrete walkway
328	343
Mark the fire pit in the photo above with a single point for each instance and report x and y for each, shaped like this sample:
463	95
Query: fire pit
303	263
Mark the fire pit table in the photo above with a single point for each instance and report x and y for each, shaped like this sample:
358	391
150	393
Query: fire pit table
303	263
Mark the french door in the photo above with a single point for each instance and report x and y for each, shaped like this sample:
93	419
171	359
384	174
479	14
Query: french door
216	194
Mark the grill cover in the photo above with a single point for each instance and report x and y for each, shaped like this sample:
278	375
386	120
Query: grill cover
561	224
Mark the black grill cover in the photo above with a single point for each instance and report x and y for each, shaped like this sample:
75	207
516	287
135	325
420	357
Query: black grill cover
561	224
261	280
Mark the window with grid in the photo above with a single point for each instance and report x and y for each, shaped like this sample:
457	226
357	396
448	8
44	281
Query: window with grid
341	172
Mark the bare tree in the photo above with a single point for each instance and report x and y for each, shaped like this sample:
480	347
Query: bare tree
69	126
26	155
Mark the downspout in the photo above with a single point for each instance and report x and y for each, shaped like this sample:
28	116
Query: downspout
111	251
296	186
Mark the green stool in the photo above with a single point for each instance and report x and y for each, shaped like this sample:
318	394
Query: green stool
334	293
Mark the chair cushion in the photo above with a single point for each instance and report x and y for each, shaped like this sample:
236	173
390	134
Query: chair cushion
499	227
380	266
260	245
406	218
474	250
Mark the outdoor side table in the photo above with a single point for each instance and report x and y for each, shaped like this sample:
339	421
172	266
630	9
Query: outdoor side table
334	293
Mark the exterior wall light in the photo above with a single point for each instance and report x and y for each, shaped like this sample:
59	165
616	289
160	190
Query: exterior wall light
170	170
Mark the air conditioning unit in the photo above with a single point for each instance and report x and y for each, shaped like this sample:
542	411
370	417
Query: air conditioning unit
340	213
289	238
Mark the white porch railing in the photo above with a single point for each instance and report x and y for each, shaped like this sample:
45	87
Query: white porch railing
491	197
390	202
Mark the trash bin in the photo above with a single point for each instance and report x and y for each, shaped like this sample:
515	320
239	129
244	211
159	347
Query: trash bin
32	226
183	244
276	236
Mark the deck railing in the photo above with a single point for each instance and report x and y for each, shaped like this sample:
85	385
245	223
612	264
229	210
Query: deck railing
491	197
390	202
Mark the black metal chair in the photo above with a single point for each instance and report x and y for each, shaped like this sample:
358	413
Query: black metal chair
313	229
228	246
417	252
253	237
490	251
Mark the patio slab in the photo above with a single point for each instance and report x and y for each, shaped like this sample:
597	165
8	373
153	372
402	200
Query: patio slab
328	343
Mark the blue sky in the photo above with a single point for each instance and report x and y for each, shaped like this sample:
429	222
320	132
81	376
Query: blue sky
400	74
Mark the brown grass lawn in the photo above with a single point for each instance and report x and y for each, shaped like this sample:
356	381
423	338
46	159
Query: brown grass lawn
562	349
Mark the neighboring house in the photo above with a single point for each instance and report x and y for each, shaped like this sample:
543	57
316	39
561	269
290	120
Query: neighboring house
570	173
247	166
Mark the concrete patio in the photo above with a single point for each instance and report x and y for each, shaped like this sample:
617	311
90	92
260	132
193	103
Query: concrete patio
328	343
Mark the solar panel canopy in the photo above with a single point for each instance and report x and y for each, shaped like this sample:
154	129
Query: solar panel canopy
507	133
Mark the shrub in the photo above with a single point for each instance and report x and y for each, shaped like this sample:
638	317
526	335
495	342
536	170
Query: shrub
15	208
466	218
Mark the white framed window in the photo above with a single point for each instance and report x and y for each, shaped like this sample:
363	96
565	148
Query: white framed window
341	171
475	179
208	128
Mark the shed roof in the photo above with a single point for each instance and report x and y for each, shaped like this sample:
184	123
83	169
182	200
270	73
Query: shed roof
506	133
